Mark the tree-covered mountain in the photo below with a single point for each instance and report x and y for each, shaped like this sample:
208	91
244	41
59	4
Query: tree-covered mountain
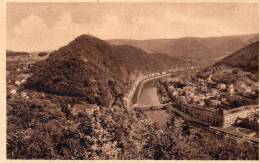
91	69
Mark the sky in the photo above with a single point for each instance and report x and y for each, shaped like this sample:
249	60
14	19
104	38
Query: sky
48	26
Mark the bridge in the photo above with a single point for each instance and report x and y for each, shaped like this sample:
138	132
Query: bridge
150	107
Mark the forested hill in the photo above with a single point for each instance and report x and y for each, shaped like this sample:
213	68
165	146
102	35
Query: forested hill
91	69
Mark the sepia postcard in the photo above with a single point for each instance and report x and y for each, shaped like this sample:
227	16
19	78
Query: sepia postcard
121	80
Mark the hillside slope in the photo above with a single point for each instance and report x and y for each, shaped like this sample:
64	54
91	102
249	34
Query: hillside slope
245	59
136	59
239	67
91	69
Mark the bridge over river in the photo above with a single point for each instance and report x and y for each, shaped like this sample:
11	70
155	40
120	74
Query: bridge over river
151	107
144	97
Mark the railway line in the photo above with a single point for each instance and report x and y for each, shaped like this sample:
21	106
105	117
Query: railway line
231	131
234	133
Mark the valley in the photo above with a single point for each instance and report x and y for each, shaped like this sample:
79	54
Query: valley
119	101
130	81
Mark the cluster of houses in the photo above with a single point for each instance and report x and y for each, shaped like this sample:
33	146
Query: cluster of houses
208	93
240	87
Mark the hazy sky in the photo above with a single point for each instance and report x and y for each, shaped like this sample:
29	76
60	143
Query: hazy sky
47	26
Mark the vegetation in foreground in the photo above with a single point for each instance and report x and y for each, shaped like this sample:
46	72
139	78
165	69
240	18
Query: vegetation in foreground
43	129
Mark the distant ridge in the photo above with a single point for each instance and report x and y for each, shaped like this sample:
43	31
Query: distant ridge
194	47
10	53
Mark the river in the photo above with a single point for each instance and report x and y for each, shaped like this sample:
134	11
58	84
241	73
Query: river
149	96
